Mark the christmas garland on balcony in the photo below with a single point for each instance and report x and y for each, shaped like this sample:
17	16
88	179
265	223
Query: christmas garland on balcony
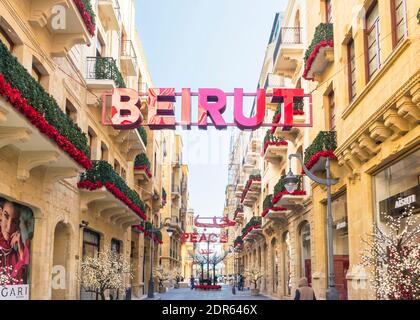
103	175
268	206
323	37
106	68
143	134
271	140
323	145
237	211
88	16
253	223
251	179
280	190
19	88
142	163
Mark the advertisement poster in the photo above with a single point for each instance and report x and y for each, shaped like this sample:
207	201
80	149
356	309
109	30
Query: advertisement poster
17	227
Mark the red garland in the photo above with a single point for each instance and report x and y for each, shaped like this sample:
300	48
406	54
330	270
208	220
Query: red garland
145	168
15	98
89	185
85	16
277	209
323	43
248	185
276	120
274	143
278	196
139	228
207	287
320	154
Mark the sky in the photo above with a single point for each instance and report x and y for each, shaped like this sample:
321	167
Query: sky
206	44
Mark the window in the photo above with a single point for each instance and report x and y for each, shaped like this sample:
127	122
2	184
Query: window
5	39
90	243
399	21
91	141
352	70
372	45
331	106
116	245
328	12
104	152
71	111
123	173
117	167
36	74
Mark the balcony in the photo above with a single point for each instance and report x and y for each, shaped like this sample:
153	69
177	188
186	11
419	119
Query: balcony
110	14
273	81
288	51
320	53
239	189
272	212
105	193
252	229
298	118
283	199
175	190
176	161
142	168
252	190
32	123
102	75
322	147
275	149
78	28
128	58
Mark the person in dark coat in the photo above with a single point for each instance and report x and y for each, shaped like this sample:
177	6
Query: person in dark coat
192	282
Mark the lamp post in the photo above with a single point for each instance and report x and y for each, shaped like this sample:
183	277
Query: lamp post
151	287
291	183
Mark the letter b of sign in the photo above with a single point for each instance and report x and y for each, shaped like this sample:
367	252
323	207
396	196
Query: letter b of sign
58	277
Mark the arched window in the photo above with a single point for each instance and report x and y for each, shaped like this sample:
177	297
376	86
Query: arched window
286	259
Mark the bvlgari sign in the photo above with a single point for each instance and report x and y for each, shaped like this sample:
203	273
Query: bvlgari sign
397	204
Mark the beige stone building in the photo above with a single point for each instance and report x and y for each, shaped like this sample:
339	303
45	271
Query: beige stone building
77	186
367	51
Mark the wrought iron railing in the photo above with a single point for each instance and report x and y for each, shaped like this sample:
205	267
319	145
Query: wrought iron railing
127	50
288	35
104	68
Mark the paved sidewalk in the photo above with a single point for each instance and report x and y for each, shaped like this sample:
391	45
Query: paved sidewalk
224	294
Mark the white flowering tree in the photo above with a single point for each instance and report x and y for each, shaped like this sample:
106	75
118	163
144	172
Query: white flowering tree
254	274
6	278
106	271
393	255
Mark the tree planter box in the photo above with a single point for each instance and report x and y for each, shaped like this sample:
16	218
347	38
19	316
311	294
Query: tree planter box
255	292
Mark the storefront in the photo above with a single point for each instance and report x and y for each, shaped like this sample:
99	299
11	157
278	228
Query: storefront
397	188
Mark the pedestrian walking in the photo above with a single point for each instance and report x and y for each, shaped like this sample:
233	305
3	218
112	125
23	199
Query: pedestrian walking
192	282
304	291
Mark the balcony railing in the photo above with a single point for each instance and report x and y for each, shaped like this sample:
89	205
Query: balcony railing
128	58
288	35
104	68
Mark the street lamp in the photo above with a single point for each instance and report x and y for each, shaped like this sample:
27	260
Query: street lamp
153	230
291	183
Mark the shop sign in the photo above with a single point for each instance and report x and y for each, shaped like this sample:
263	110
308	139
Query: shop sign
14	292
203	237
121	108
399	203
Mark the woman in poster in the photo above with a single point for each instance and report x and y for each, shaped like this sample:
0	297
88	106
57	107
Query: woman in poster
15	222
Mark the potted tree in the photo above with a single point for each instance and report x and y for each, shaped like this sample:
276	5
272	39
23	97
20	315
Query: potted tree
254	275
162	276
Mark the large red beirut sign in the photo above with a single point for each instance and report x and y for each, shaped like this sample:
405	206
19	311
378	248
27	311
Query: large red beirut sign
124	113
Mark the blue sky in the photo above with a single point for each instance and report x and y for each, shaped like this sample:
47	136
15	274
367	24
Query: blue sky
206	43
